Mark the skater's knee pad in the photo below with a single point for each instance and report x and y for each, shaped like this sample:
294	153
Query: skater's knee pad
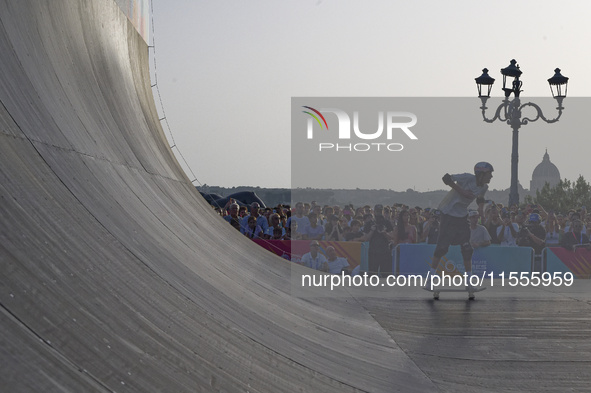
467	251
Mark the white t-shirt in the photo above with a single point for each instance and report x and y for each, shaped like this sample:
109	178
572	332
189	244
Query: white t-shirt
455	204
479	234
508	239
303	223
336	266
314	263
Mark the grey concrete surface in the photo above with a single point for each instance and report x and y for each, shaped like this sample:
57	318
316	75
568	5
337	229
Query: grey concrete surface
116	276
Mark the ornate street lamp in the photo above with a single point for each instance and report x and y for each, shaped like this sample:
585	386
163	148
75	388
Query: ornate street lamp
484	80
509	111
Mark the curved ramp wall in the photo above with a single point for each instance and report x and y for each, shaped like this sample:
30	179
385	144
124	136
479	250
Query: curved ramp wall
115	274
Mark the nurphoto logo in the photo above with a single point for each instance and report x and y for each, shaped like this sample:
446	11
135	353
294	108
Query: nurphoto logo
394	123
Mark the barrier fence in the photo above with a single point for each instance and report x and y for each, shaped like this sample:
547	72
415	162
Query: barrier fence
559	259
293	250
413	259
416	259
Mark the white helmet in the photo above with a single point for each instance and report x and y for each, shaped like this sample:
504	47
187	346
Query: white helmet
483	167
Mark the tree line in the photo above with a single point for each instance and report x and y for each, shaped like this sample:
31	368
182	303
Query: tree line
564	196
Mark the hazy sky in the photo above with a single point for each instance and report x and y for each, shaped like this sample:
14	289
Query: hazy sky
227	71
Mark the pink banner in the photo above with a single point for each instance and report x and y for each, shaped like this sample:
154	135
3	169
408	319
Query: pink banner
293	250
578	262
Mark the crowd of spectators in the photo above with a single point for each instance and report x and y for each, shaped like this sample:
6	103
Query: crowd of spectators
528	226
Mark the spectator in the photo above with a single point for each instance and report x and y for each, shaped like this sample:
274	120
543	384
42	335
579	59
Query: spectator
293	231
242	211
533	235
425	216
367	222
275	224
520	219
333	229
307	208
539	209
355	234
278	233
314	231
347	215
336	264
416	221
569	218
479	236
493	222
267	214
314	259
553	230
317	209
343	222
393	216
359	212
337	210
587	222
313	205
561	220
431	227
260	220
574	216
233	217
283	218
507	231
328	212
303	222
288	232
379	253
387	213
379	218
575	238
405	232
252	229
514	209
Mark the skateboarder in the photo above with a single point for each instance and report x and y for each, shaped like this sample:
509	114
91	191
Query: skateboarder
455	229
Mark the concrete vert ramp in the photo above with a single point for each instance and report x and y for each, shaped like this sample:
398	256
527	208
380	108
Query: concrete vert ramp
115	274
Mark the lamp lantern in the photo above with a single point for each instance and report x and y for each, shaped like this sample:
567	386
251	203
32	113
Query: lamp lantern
484	80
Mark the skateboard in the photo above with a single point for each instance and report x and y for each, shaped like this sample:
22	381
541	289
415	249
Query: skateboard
471	293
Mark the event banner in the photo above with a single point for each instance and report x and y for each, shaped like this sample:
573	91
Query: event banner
416	259
295	249
561	260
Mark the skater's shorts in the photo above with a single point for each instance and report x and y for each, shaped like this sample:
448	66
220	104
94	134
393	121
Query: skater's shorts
453	231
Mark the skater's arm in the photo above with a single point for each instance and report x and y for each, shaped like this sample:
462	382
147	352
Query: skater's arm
447	179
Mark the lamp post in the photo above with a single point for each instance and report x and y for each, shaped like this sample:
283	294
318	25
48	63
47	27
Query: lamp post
510	111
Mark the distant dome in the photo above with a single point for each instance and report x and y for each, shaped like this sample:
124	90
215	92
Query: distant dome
545	172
